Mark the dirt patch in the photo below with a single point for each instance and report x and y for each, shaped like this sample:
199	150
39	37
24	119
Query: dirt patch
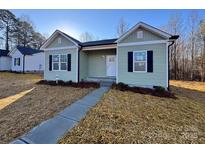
127	117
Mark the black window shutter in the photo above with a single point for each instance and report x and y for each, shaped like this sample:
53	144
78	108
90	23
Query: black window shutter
130	61
150	61
19	62
50	62
14	61
69	62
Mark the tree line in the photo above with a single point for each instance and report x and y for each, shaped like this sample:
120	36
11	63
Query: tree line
18	31
187	55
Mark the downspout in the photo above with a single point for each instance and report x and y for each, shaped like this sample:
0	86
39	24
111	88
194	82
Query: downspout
172	42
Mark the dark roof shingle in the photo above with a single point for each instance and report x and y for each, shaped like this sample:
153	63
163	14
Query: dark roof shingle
28	51
99	42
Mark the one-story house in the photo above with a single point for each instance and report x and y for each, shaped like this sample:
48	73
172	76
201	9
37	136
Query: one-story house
25	59
5	60
138	58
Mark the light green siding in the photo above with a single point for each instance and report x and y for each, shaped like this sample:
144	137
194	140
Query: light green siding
64	42
63	75
147	36
83	65
97	62
159	75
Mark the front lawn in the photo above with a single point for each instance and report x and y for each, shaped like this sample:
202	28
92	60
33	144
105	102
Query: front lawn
127	117
31	104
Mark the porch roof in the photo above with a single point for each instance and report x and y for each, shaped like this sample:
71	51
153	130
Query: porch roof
99	42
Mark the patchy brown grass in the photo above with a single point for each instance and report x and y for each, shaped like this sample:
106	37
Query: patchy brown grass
193	90
13	83
30	109
127	117
192	85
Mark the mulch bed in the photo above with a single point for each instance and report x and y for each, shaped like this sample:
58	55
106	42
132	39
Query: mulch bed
70	84
157	91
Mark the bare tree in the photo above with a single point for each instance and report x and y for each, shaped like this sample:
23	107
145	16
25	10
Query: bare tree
85	37
122	27
175	26
8	23
193	25
202	32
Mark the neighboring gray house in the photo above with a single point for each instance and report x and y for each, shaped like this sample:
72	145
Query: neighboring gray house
138	58
5	60
25	59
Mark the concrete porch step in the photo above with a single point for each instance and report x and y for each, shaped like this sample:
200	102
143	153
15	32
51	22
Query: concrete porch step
106	83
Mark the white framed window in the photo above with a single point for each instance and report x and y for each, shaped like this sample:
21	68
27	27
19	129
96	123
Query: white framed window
140	61
59	40
59	62
139	34
16	61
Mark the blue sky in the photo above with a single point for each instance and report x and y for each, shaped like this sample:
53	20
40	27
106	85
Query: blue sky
101	23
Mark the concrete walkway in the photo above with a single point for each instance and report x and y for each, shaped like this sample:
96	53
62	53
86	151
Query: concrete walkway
50	131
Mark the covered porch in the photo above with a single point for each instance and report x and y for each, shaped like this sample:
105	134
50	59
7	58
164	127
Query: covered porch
98	64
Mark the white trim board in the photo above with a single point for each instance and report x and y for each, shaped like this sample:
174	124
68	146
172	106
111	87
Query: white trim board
133	62
60	48
142	43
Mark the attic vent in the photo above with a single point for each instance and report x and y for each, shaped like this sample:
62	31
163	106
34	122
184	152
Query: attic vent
59	40
139	34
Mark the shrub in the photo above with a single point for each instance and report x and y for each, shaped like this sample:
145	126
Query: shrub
70	84
157	91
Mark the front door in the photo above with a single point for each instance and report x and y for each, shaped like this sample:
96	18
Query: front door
111	65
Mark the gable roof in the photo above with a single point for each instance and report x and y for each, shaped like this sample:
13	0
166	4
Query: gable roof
147	27
27	50
4	52
99	42
109	41
75	40
51	38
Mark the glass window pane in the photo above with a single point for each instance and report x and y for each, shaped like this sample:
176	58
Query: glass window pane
140	56
139	66
63	58
63	66
55	66
55	58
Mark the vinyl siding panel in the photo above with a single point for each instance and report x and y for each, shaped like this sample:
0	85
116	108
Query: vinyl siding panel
97	62
5	63
64	42
35	62
63	75
159	75
147	36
